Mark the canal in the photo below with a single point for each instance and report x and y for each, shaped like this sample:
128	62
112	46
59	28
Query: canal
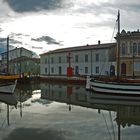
49	111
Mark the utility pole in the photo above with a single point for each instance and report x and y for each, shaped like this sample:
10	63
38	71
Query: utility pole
118	47
20	70
69	59
8	55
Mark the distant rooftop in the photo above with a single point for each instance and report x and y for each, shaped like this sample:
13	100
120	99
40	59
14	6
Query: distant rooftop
80	48
129	33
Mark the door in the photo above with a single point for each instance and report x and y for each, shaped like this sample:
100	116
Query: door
123	69
76	70
112	70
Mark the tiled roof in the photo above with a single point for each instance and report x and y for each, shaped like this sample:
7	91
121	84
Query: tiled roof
80	48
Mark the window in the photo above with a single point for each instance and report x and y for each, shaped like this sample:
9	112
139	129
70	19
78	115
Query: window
46	61
86	70
97	57
60	70
76	58
52	60
45	70
52	70
76	70
134	48
123	49
59	59
97	69
86	58
139	49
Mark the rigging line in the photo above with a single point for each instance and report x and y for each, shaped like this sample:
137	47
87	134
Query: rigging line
5	119
112	124
111	41
113	31
107	126
105	62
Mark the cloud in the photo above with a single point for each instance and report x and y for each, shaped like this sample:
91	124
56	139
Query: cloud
3	44
14	41
36	5
47	39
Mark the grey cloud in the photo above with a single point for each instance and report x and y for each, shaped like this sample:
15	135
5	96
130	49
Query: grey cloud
1	29
2	40
36	5
20	34
3	44
129	13
13	41
95	9
108	7
47	39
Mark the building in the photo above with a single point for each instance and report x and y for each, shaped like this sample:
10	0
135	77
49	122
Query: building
20	61
130	53
96	59
26	65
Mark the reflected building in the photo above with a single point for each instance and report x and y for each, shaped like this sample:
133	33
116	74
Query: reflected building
127	110
66	93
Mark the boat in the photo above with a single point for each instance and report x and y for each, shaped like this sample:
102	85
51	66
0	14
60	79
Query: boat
117	85
9	99
8	87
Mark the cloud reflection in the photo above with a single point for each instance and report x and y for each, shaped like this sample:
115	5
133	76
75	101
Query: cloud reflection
37	134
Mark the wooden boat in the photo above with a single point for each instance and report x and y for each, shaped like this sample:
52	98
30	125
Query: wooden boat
8	87
117	85
8	99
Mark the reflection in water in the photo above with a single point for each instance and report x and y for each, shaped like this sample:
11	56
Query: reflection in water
66	111
127	109
22	93
9	100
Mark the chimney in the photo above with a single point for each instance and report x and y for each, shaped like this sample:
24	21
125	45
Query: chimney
99	42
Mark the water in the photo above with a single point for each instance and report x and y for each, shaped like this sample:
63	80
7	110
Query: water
49	111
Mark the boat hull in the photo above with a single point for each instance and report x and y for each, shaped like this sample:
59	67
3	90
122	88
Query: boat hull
115	88
8	87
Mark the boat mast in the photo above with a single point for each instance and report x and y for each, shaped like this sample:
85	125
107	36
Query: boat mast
8	55
118	47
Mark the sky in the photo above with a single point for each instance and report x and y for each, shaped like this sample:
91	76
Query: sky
44	25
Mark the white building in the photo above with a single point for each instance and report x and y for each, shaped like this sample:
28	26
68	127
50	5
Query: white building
84	60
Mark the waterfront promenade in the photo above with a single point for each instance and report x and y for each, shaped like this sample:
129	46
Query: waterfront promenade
72	79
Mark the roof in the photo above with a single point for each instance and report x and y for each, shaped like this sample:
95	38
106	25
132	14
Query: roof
128	34
81	48
16	49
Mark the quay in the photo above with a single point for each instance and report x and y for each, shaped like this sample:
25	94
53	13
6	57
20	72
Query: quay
57	79
64	79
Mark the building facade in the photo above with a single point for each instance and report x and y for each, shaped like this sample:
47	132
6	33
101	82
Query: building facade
130	53
25	65
84	60
20	61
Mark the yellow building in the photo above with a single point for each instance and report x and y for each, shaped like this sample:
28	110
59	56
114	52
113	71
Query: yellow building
130	53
